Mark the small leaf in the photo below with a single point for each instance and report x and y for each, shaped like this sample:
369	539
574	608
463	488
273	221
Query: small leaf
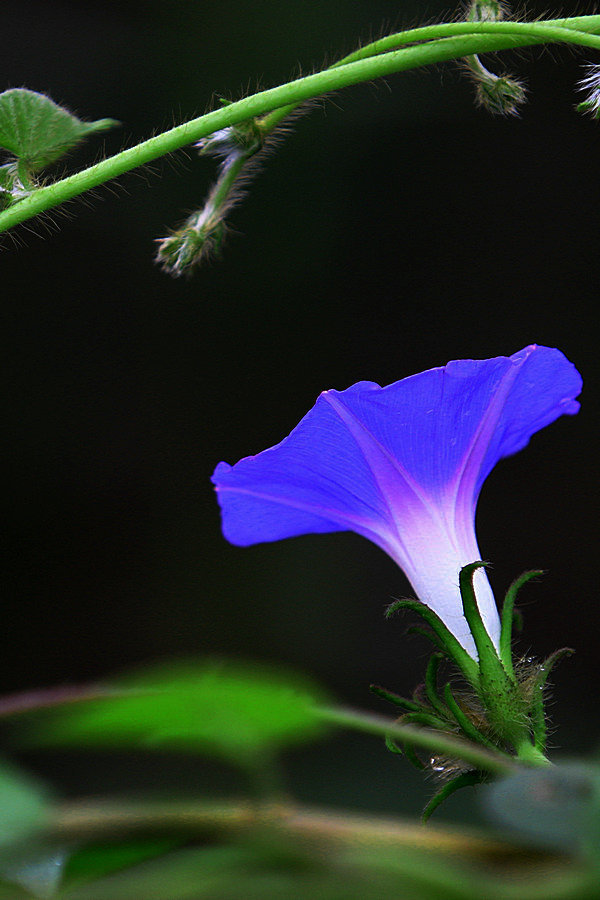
556	808
38	131
224	709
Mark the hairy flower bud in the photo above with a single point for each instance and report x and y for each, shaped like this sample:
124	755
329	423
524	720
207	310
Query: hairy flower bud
485	11
246	138
501	95
590	85
200	237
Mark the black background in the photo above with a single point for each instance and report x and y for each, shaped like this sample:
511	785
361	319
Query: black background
398	227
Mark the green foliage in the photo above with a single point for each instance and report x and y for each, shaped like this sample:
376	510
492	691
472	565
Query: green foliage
26	867
274	869
98	860
228	710
23	804
556	808
38	868
37	131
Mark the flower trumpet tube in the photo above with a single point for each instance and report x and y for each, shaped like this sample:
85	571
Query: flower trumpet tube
403	466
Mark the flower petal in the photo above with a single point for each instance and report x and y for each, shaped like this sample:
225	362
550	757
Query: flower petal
403	466
361	449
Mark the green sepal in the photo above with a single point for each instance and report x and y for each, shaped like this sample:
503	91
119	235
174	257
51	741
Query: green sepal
431	689
508	614
412	757
450	645
407	751
518	619
425	632
537	714
483	642
499	691
422	717
468	728
467	779
392	746
396	699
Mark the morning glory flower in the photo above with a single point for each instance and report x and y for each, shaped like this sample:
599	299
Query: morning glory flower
403	466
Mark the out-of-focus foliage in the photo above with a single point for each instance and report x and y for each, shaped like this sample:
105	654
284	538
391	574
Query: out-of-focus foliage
23	804
38	868
273	850
269	867
233	872
228	710
556	808
24	812
98	860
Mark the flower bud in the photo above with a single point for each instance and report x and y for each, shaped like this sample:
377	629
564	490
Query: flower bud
235	140
485	11
590	85
501	95
199	237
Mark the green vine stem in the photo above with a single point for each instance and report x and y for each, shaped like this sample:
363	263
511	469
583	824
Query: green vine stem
435	742
476	865
442	43
89	819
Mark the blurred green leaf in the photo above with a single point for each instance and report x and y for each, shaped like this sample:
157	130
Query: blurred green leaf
38	131
555	808
236	872
22	807
12	892
37	868
94	861
229	710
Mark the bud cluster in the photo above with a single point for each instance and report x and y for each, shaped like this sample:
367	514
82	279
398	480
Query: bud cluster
199	238
485	11
203	232
244	139
11	185
500	94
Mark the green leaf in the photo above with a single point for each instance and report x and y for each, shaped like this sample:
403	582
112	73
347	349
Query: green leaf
556	808
225	709
36	867
98	860
235	872
22	805
38	131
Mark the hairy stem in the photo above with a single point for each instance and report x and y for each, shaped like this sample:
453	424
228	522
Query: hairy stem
443	43
433	741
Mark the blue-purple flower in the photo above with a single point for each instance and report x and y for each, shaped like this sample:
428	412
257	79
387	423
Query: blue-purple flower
403	466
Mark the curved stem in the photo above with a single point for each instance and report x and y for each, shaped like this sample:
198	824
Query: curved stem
467	39
90	819
434	741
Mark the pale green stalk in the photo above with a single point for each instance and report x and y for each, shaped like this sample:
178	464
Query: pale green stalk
435	742
444	42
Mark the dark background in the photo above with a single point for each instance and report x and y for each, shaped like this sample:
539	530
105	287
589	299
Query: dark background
398	227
